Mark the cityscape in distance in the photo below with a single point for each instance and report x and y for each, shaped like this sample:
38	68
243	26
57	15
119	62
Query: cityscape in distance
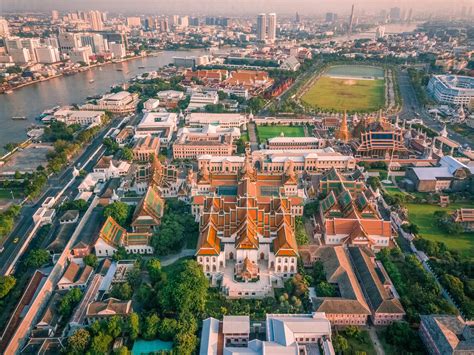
237	177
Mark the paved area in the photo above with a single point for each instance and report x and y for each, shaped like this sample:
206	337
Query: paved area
252	129
170	259
28	159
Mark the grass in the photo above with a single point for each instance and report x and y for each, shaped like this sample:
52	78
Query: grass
267	132
331	94
422	216
5	194
360	343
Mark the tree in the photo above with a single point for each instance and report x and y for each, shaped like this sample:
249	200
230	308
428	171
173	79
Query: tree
37	258
134	277
340	344
374	182
101	343
6	285
10	146
123	350
127	154
167	329
78	342
325	289
186	290
186	343
118	211
154	270
352	331
122	291
80	205
91	260
69	301
400	334
133	325
300	232
150	327
114	326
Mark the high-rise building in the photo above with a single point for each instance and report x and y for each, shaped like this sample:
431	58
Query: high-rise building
261	27
331	17
184	21
4	29
54	15
96	41
96	20
118	50
150	23
69	41
272	25
409	16
297	18
47	55
134	22
395	14
351	20
29	44
380	32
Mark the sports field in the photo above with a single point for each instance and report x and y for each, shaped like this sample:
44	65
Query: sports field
422	216
351	94
266	132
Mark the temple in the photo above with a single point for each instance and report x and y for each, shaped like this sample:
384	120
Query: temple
247	240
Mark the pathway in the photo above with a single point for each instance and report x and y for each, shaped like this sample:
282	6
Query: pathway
375	340
170	259
252	130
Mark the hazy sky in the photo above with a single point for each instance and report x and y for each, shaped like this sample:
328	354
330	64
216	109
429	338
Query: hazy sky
229	6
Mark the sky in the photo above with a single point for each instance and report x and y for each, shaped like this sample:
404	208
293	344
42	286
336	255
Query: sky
228	7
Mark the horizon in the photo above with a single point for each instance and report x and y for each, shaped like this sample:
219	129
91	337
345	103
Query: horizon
227	7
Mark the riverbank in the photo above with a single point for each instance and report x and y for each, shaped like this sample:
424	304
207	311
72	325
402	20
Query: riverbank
32	100
76	71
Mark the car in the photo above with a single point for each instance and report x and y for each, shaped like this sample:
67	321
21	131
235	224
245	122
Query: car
2	248
16	240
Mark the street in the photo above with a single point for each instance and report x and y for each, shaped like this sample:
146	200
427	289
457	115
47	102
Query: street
412	106
55	184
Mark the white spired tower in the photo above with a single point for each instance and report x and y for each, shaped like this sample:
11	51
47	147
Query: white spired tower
261	27
272	27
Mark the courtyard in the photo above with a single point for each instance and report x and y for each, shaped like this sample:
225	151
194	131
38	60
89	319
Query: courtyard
267	132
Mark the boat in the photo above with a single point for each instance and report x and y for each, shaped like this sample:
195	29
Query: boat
141	67
19	118
91	81
119	69
9	92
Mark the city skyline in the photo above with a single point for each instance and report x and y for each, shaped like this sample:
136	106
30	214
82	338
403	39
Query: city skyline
241	7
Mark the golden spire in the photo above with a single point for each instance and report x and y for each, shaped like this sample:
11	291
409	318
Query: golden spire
343	132
247	169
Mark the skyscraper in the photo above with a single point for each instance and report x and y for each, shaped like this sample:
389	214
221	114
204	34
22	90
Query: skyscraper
95	18
351	20
272	25
54	15
4	29
395	14
261	27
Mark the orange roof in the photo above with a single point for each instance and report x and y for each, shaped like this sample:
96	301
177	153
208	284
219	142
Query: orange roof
285	242
209	242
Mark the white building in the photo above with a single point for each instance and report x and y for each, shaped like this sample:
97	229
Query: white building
199	100
158	124
20	56
272	25
285	334
47	55
225	120
4	29
151	104
120	102
84	118
81	55
452	89
69	41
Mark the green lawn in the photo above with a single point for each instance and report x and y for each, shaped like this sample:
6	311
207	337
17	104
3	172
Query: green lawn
266	132
6	193
422	216
332	94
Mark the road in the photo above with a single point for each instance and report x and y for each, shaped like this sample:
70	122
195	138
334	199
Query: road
411	106
25	224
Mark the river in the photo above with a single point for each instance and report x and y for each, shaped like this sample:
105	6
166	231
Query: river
30	101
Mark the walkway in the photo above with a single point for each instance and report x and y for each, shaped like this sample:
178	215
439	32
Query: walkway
170	259
252	130
375	340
